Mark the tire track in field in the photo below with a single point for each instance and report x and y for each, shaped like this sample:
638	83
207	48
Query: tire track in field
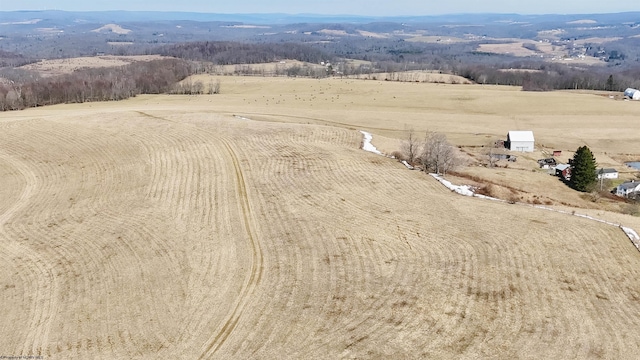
478	306
322	259
254	276
257	257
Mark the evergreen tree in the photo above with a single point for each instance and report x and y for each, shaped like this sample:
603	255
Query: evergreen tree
583	170
610	83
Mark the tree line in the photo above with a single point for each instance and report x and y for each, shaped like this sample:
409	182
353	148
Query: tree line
229	53
534	76
102	84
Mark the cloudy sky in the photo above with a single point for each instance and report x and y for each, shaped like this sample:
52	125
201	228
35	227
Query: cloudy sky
333	7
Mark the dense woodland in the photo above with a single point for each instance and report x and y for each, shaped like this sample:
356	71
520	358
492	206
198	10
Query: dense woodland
228	53
105	84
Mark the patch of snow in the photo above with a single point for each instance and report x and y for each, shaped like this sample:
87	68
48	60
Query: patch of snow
240	117
367	145
632	235
465	190
405	163
595	219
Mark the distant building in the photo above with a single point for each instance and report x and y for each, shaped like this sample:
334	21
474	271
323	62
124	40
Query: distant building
520	141
632	94
607	174
628	188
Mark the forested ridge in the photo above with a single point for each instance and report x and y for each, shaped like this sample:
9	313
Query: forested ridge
98	84
228	53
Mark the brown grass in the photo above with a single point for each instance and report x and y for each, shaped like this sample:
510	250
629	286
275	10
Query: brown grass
515	49
64	66
414	76
163	227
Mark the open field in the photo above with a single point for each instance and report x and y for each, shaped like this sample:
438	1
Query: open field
112	28
544	49
55	67
414	76
167	227
515	49
268	69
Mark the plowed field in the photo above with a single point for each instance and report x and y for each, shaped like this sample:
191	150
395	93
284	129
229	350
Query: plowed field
155	229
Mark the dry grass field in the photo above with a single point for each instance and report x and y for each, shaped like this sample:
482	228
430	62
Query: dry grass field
269	69
515	49
55	67
544	49
167	227
414	76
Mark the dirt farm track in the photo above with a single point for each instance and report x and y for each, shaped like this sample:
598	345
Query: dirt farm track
165	227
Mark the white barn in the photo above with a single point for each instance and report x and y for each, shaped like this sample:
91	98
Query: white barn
632	94
521	141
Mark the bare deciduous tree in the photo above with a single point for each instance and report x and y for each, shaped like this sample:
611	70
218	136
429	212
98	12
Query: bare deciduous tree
410	147
491	153
438	155
214	87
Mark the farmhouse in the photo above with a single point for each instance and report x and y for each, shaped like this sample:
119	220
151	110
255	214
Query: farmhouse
520	141
632	94
628	188
607	174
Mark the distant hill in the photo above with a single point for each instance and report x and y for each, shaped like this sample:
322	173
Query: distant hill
67	17
599	49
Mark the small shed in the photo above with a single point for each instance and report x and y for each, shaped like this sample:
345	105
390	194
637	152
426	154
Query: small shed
607	174
564	171
520	141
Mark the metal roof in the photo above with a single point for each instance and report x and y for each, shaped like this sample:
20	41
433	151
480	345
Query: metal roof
628	185
520	136
607	171
561	167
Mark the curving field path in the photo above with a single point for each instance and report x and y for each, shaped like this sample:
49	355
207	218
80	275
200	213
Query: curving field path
136	231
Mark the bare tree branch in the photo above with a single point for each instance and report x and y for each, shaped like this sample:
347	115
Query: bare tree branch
410	147
438	155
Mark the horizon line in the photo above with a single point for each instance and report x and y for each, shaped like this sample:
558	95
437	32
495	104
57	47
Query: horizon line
323	14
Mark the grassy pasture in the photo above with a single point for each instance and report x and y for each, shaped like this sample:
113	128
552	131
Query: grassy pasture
165	227
467	114
55	67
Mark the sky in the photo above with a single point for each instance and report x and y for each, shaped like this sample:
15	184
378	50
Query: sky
335	7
